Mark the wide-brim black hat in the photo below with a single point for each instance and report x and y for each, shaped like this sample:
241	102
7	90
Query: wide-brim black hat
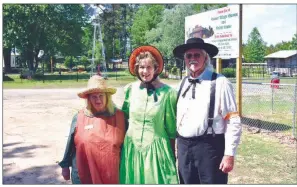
196	43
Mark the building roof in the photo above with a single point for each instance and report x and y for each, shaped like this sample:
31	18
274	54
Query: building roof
282	54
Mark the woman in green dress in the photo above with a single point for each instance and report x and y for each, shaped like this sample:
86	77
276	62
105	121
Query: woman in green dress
150	106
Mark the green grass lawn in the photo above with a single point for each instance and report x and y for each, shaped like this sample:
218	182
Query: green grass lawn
69	80
261	159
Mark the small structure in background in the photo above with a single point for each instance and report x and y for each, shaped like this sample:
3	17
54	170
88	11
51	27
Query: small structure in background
14	60
116	62
284	62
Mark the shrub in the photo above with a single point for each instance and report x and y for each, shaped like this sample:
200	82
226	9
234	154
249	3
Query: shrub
174	70
229	72
163	75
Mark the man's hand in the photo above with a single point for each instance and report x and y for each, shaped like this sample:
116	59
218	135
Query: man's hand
227	164
66	173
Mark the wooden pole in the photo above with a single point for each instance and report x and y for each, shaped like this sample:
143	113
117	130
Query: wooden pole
239	67
219	65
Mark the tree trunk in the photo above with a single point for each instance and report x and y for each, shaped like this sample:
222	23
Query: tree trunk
125	32
30	60
36	60
7	58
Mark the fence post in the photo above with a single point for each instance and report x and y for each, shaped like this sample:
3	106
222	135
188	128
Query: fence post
76	73
294	111
60	74
43	71
272	97
116	70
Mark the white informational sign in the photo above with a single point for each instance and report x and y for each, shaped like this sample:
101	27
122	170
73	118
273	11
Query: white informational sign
219	27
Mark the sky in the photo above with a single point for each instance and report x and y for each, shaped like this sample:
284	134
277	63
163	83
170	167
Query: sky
276	23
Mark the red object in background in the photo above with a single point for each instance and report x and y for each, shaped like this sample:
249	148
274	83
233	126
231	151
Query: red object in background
275	82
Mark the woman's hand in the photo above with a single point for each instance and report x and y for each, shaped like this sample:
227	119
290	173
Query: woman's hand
66	173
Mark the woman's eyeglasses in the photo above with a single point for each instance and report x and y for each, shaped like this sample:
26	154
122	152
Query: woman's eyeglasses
190	55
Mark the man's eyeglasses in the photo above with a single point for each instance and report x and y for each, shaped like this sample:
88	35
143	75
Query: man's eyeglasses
190	55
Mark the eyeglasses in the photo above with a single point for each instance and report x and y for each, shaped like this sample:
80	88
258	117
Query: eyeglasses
190	55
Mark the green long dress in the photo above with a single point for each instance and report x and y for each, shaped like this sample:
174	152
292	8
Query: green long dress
147	157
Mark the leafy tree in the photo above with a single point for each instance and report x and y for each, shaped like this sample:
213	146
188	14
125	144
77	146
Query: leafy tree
254	50
207	7
283	46
70	62
270	49
52	28
294	42
87	40
170	31
146	18
84	61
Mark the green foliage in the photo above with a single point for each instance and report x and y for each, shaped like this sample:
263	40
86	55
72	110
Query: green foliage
116	29
146	18
70	62
168	67
174	70
244	72
283	46
84	61
207	7
270	49
49	27
289	45
87	40
254	51
170	31
229	72
294	42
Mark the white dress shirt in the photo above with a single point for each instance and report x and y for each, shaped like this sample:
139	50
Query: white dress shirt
192	114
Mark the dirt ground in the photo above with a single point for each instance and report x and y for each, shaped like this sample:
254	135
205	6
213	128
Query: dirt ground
36	124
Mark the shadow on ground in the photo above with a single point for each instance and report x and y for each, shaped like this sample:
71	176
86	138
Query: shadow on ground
266	125
24	151
33	175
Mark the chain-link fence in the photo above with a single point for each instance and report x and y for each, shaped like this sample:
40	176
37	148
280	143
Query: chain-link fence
270	107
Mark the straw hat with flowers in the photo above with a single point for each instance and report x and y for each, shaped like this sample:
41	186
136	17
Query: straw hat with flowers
96	84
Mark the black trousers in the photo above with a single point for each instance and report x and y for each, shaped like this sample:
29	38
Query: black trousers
199	159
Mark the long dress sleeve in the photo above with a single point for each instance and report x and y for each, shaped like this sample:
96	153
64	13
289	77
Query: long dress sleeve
170	114
70	147
126	104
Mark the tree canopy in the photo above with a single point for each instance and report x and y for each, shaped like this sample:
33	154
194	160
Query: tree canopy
52	28
254	51
66	30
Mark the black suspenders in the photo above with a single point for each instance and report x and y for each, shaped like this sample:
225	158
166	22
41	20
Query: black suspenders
211	103
181	87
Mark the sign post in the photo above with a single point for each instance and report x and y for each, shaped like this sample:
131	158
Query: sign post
239	67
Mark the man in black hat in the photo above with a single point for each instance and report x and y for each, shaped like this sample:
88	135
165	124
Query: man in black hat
208	124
